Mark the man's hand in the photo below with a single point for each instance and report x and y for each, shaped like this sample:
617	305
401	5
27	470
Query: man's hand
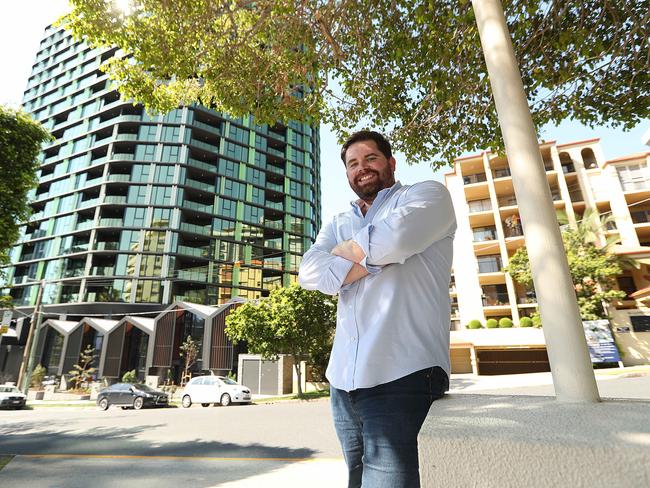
349	250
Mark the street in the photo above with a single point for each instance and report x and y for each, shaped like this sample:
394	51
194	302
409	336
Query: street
65	447
287	443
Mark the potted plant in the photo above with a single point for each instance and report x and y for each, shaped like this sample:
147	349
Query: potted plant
36	391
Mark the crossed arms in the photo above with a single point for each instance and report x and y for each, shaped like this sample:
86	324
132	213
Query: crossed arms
424	215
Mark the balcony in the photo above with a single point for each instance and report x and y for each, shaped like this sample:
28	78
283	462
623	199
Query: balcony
89	203
274	187
479	206
85	225
201	165
640	216
102	270
635	184
501	173
119	178
195	229
275	169
110	223
492	265
495	300
94	181
471	179
199	207
568	168
274	205
192	275
273	243
204	145
208	127
107	246
275	152
199	185
274	224
115	199
276	136
198	252
193	296
122	157
507	201
484	235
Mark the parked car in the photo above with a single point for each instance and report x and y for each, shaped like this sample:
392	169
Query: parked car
11	397
131	395
208	390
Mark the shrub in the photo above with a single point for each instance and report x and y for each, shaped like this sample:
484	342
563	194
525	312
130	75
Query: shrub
130	377
525	322
537	320
505	323
474	324
491	324
37	377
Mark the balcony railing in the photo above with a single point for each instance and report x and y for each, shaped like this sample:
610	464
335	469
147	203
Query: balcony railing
273	243
199	252
636	184
507	201
113	199
191	275
495	299
275	152
208	127
640	216
477	178
122	157
110	223
501	172
479	206
196	229
122	178
490	266
204	145
274	187
102	270
274	224
199	185
274	205
484	235
107	246
201	165
200	207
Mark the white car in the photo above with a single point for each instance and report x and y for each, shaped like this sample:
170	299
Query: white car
214	389
11	397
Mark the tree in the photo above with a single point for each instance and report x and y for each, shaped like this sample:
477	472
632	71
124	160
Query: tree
20	143
291	321
413	68
82	372
189	351
593	268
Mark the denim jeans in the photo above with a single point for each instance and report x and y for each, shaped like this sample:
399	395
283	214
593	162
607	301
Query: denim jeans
378	428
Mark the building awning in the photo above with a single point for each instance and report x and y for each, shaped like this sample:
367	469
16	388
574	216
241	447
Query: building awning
640	253
145	324
63	327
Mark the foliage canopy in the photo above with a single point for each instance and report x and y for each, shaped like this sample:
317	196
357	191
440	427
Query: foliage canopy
413	68
291	321
20	143
593	267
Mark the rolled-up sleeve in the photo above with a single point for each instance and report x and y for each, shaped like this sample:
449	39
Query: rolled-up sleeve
424	215
320	270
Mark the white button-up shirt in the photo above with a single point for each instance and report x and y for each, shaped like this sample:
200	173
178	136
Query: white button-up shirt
395	321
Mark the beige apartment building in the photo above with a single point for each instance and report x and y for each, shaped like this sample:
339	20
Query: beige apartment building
489	232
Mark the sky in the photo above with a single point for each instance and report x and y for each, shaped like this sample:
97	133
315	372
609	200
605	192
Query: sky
21	29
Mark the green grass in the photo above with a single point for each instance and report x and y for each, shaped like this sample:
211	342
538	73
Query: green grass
4	460
312	395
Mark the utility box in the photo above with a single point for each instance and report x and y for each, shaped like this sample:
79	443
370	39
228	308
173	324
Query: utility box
266	377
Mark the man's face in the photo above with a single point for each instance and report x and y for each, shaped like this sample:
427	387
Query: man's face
368	170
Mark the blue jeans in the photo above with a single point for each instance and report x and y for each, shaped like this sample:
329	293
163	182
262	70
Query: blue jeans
378	428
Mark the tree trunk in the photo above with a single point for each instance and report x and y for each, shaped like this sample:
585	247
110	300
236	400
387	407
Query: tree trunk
296	365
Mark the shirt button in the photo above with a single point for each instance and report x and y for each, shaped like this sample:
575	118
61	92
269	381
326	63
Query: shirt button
353	339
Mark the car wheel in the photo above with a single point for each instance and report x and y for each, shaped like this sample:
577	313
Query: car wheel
103	404
138	403
225	400
186	401
205	404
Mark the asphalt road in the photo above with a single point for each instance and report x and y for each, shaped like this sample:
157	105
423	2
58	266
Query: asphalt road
198	447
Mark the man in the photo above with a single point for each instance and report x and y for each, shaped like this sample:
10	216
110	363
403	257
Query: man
389	259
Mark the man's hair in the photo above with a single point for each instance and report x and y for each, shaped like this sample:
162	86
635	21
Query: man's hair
367	135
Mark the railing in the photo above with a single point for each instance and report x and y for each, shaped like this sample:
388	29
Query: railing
495	299
479	206
275	169
196	229
110	223
477	178
491	266
484	235
102	270
277	136
121	178
275	152
120	199
273	244
201	165
107	246
191	275
204	145
200	207
576	196
89	203
274	186
640	216
507	201
274	224
87	224
122	156
636	184
94	181
208	127
199	252
126	137
501	172
274	205
193	297
199	185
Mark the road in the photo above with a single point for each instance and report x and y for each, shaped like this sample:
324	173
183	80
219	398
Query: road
284	444
198	447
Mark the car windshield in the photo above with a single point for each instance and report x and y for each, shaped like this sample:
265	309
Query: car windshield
8	389
227	381
141	387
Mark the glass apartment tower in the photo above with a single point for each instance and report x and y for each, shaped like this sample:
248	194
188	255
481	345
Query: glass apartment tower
135	210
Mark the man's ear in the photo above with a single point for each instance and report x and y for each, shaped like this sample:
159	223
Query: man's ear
392	162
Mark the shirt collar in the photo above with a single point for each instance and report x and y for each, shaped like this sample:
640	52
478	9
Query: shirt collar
381	196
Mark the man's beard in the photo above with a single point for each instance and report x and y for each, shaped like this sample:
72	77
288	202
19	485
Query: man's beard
369	191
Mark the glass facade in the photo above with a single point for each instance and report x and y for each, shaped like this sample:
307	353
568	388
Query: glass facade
140	208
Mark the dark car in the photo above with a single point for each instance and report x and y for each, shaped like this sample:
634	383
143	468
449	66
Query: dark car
131	395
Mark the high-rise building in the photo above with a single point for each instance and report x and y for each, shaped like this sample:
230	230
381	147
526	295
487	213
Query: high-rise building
135	210
490	232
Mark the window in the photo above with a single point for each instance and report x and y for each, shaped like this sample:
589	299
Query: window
148	132
223	228
234	189
148	291
137	194
235	151
170	154
489	264
633	176
170	134
154	241
164	174
227	208
134	217
253	214
229	168
145	152
140	172
161	217
239	134
256	176
129	240
161	195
